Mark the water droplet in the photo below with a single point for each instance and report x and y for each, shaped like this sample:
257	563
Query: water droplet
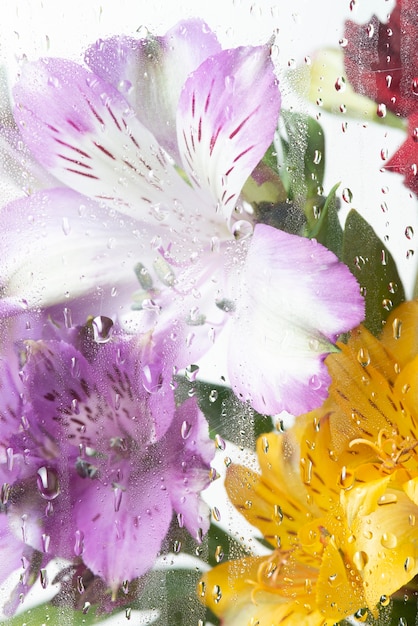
409	232
242	229
317	157
191	372
278	514
381	110
5	493
102	329
48	483
361	615
117	498
340	84
216	514
124	86
67	318
86	608
79	543
152	380
387	304
185	429
43	577
315	382
213	395
346	478
384	600
360	559
415	86
9	458
216	593
411	520
347	195
363	357
370	30
306	466
409	564
219	442
389	540
80	585
219	554
387	498
66	226
397	328
45	541
343	42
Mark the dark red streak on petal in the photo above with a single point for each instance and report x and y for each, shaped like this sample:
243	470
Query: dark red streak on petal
199	131
75	161
113	116
67	145
86	174
104	150
242	154
239	127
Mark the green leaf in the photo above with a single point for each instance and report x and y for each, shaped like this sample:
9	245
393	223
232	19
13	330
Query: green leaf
48	614
303	156
373	266
327	229
227	415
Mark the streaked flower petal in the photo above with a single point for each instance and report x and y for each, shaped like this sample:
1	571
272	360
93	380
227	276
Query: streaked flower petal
226	120
85	133
290	311
150	72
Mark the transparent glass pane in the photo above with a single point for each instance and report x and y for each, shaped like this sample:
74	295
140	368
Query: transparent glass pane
208	314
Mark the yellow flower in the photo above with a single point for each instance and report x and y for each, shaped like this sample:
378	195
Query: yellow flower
308	579
366	437
337	495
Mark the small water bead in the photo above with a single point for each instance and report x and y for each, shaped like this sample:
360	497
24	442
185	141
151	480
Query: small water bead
340	84
201	588
343	42
43	577
213	395
317	157
219	554
389	540
387	498
361	615
387	304
397	328
278	514
185	429
415	86
347	195
384	600
216	593
216	514
176	546
242	229
79	543
45	540
48	483
409	564
219	442
360	560
370	30
191	372
409	232
363	357
381	110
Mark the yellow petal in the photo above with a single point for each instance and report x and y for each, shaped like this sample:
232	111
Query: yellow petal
241	595
386	546
364	499
400	334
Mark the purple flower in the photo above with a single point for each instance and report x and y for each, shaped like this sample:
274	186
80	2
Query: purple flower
99	456
154	143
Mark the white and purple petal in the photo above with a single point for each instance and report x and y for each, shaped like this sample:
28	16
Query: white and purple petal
226	120
295	297
84	132
58	245
151	72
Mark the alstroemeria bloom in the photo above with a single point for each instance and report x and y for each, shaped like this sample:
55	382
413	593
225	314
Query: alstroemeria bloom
381	61
99	458
112	134
365	439
310	577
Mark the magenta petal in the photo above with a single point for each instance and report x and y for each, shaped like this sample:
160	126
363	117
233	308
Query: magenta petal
227	116
123	530
150	72
294	298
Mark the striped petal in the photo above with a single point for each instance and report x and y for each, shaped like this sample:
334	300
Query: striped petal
227	116
85	133
151	72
